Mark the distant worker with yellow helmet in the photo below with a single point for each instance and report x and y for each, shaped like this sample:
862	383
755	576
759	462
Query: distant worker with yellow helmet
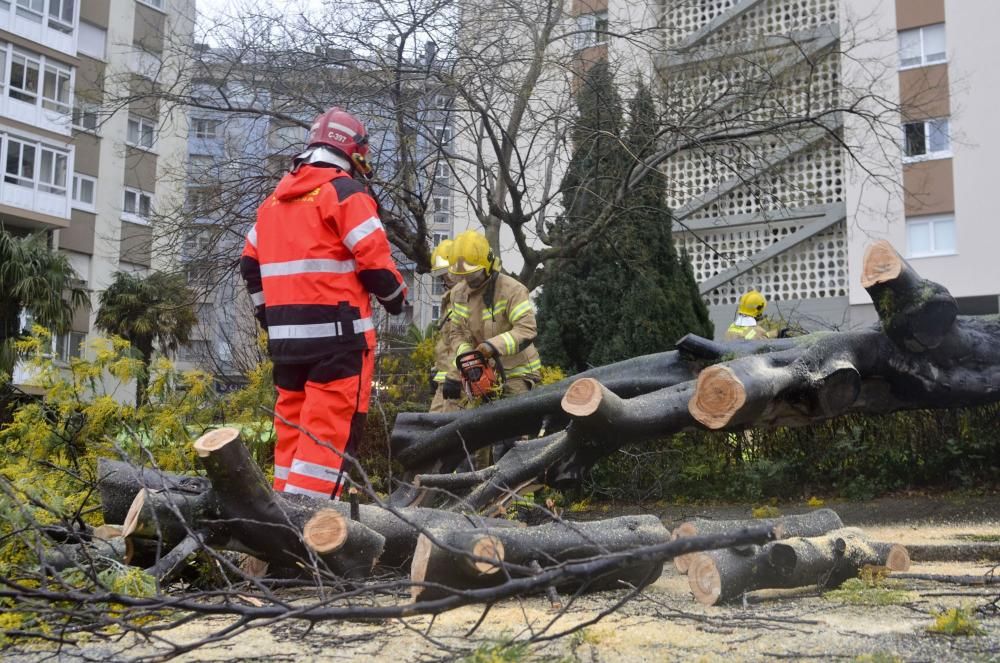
493	313
750	323
444	376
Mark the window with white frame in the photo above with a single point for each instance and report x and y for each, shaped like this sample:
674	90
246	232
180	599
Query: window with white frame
138	206
442	135
592	29
86	115
84	192
23	80
438	287
52	171
440	237
442	205
61	15
153	3
930	236
921	46
442	102
205	127
141	132
20	167
442	173
55	87
68	346
435	312
927	139
31	9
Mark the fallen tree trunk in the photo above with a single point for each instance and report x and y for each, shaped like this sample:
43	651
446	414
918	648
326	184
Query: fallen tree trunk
926	358
118	483
485	558
92	558
436	443
825	561
813	523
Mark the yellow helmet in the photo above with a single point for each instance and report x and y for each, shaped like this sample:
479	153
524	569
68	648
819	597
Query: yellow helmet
471	252
752	303
441	258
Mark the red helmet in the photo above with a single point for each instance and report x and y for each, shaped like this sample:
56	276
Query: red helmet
343	132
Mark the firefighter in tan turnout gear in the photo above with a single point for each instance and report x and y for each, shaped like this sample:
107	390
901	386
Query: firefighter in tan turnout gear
444	376
750	323
493	313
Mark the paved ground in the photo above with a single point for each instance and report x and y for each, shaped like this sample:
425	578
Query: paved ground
665	624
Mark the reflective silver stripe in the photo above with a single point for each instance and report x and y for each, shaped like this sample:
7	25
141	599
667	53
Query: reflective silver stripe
310	265
257	298
296	490
315	470
319	330
395	292
340	127
361	231
252	236
280	472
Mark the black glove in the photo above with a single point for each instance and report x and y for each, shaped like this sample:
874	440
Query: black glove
452	389
261	316
431	382
395	305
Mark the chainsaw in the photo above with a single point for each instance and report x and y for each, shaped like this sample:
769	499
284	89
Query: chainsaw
481	377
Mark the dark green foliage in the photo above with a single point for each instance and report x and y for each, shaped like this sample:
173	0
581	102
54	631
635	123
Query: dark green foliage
34	277
628	292
148	311
856	457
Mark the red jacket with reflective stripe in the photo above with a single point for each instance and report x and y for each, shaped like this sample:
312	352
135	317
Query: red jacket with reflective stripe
316	252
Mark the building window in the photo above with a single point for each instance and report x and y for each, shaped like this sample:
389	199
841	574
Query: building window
52	171
140	132
61	15
24	77
20	169
921	46
930	236
442	135
435	312
55	88
85	115
137	206
438	288
85	193
927	139
31	9
195	351
153	3
440	237
205	128
441	210
442	102
592	29
442	173
69	345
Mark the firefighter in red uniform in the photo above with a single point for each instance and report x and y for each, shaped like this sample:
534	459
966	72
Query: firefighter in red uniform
316	253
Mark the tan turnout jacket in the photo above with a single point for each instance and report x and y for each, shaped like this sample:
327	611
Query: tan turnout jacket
500	313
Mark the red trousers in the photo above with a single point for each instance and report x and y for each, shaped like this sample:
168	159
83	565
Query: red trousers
326	400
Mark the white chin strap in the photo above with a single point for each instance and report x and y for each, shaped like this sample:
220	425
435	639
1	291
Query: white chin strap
322	155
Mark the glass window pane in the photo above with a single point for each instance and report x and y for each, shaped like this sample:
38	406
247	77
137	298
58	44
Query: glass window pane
87	191
129	202
47	167
918	238
934	43
13	158
938	138
133	131
909	47
147	135
914	143
944	236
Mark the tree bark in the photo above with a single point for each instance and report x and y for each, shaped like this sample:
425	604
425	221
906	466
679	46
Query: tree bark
813	523
118	483
825	561
548	545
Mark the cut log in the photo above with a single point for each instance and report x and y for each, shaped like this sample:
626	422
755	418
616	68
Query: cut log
813	523
91	558
548	545
170	566
269	527
460	559
118	483
825	561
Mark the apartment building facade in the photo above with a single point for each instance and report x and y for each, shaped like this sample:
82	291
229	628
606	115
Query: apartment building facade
88	177
792	218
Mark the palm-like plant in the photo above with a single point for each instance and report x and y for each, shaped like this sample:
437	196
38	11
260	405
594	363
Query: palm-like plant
150	312
35	278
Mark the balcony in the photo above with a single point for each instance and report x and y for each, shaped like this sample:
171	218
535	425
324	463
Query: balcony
51	23
36	180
